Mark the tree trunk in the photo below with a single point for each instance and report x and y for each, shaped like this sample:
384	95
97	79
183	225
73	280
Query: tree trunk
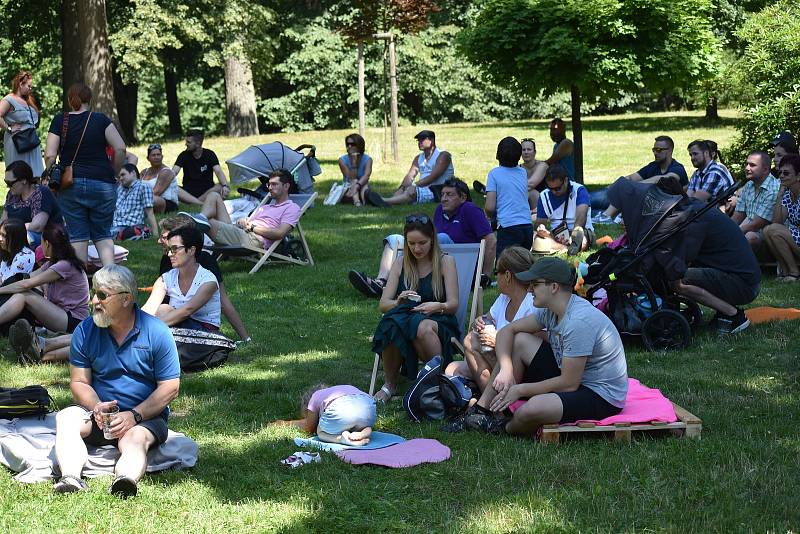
71	70
95	55
712	110
577	133
127	97
361	100
240	98
173	107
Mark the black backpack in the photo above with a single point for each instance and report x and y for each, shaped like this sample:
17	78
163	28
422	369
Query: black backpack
24	402
434	395
199	350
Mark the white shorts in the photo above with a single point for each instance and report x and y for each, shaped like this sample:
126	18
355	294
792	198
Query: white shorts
424	195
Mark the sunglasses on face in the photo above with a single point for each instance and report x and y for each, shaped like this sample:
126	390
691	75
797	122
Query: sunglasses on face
659	150
173	249
102	295
422	219
9	184
154	146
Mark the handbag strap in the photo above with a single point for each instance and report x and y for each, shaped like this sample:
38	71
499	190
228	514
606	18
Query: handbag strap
64	128
81	140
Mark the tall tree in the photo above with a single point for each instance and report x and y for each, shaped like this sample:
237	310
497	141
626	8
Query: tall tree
592	48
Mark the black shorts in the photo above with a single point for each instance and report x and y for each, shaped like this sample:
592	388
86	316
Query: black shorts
581	404
157	426
72	323
520	235
726	286
170	206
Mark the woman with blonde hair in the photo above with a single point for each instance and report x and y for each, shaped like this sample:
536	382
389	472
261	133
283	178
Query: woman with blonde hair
419	303
18	112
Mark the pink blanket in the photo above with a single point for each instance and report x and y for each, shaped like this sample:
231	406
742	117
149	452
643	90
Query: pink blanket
642	405
405	454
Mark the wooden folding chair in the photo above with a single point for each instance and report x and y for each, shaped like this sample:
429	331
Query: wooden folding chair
469	261
261	256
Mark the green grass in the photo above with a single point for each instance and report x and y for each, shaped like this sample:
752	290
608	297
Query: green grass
309	325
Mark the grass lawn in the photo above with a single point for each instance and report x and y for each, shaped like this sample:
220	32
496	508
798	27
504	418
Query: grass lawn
310	326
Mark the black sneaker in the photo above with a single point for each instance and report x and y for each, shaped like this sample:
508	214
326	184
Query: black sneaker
375	199
369	287
488	424
731	324
69	485
479	187
123	487
458	423
25	342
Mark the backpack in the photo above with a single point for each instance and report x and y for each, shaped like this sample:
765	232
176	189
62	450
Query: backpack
199	350
455	392
24	402
435	395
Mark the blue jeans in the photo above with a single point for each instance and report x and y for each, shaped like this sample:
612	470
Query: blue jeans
34	239
599	200
88	207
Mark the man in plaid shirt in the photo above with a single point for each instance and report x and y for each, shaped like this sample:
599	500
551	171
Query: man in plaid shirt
757	198
134	203
710	178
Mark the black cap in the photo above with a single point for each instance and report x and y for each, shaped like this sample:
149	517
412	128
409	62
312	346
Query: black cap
425	134
549	268
784	138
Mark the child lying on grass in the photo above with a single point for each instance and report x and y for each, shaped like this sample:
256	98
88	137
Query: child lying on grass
339	414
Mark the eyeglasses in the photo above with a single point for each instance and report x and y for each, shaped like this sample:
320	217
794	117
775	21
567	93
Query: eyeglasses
659	149
154	146
421	219
102	295
535	283
9	184
173	249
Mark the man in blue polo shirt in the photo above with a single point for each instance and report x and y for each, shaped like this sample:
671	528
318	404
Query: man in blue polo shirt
662	165
456	219
120	358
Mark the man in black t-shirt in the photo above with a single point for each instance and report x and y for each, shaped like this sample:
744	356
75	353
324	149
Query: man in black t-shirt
199	167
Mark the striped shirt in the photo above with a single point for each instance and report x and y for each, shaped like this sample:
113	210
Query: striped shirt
713	179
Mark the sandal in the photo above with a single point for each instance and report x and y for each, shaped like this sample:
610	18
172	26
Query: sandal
300	458
387	394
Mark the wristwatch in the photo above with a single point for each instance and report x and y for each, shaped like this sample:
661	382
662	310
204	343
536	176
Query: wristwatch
136	416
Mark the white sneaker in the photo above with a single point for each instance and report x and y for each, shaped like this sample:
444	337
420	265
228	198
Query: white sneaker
602	218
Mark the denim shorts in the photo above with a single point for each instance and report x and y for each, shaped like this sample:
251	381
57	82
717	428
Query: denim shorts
88	207
348	412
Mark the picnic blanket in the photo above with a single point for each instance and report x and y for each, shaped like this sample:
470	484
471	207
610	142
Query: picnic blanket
27	447
377	440
405	454
764	314
642	405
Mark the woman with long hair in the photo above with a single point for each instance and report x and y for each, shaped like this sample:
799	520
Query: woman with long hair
418	302
88	204
65	302
16	258
18	112
31	203
356	167
162	180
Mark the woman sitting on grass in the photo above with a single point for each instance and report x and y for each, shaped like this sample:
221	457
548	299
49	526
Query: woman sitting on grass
513	303
418	303
16	258
356	168
339	414
193	291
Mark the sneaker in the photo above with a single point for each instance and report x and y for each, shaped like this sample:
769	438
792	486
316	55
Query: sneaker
200	220
731	324
68	484
375	199
576	242
458	423
602	218
479	187
369	287
619	220
25	342
123	487
488	424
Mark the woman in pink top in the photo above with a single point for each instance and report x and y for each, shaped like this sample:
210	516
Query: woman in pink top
66	298
339	414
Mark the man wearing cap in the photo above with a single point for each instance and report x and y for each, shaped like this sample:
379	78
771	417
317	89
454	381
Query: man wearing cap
456	219
433	166
580	373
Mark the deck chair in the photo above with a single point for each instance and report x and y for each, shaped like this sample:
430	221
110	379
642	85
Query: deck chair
261	256
469	261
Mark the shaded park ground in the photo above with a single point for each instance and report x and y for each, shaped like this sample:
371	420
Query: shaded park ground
310	326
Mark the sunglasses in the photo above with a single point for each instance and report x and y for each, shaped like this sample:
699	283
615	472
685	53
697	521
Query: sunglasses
102	295
154	146
421	219
659	150
9	184
173	249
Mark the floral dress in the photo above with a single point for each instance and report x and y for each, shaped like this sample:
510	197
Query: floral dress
793	220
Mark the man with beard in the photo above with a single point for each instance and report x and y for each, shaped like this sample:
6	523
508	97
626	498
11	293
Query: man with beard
121	357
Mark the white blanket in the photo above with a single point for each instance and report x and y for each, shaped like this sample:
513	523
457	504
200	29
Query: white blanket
27	447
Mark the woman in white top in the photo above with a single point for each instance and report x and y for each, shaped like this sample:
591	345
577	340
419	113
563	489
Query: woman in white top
18	112
162	180
193	291
513	303
15	256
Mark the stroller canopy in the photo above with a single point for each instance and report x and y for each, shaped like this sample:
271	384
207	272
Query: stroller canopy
643	207
260	160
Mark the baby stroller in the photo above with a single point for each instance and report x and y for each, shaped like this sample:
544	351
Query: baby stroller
640	300
257	161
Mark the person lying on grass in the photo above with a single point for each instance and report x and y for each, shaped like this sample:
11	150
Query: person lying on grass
581	374
338	414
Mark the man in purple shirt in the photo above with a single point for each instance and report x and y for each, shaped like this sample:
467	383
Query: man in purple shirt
456	219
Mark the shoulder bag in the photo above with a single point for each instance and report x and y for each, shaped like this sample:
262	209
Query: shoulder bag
61	174
26	140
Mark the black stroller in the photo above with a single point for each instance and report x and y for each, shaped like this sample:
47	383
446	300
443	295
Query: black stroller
640	300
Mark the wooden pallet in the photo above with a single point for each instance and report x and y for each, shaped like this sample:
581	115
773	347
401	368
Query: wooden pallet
687	425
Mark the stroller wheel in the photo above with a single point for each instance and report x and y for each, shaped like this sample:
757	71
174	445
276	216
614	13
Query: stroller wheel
689	309
666	330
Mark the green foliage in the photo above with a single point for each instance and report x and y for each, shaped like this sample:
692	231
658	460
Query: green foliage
603	47
770	67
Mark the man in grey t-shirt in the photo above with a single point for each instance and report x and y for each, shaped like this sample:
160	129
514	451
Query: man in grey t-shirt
581	374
